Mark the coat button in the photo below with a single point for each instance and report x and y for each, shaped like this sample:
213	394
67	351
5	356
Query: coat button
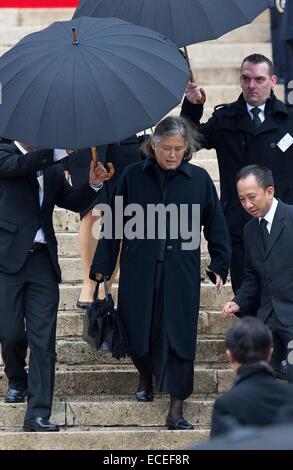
269	280
169	248
273	145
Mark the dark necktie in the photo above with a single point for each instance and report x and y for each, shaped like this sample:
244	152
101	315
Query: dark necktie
256	119
264	232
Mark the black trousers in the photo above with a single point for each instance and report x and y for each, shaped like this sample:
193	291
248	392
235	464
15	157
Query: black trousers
31	296
282	335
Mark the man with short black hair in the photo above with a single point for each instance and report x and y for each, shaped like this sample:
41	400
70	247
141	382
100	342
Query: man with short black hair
257	398
268	269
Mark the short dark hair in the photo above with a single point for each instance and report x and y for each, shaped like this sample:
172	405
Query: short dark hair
259	59
174	125
249	341
263	175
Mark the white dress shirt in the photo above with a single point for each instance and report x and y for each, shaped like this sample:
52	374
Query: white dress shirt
269	217
261	114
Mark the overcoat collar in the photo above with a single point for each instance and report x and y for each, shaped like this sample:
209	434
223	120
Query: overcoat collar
150	165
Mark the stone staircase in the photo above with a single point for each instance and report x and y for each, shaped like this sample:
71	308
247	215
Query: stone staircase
94	393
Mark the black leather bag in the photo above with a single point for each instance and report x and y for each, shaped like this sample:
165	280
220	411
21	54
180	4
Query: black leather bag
102	328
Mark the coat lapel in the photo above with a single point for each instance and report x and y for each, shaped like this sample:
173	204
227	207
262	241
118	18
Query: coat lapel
277	226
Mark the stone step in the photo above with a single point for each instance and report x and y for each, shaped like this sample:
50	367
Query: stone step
88	438
227	53
70	324
45	16
209	299
122	380
110	411
68	247
72	272
256	31
77	351
34	17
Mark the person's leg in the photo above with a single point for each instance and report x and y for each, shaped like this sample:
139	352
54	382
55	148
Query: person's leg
286	334
279	350
145	385
180	385
87	246
41	306
12	334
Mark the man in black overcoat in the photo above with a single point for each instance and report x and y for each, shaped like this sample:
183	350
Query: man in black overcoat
30	186
268	246
249	130
257	398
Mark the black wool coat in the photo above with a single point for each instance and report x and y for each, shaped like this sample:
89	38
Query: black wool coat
230	131
141	184
256	399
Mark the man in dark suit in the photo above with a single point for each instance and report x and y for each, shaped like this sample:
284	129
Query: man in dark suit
249	130
30	186
268	257
257	398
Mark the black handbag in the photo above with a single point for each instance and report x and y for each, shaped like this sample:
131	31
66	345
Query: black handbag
102	327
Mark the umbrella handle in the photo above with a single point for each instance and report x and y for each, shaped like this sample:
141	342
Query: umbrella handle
192	77
111	169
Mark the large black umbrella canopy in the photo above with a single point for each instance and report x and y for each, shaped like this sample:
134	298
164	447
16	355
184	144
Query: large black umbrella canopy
119	79
185	22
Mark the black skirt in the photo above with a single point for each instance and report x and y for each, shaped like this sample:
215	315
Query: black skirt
173	374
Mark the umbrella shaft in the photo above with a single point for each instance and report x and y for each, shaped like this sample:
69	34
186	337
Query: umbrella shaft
192	77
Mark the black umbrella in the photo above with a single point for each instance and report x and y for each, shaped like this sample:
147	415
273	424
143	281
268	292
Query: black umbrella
183	21
108	81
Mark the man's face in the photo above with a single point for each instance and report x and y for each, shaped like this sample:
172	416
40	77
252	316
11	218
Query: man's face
256	83
256	200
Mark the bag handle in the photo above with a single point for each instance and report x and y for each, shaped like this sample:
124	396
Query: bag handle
106	287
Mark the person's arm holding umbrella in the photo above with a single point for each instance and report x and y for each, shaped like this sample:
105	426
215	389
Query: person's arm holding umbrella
192	109
81	198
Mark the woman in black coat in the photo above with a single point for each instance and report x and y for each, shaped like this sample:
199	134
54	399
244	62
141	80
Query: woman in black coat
159	288
120	155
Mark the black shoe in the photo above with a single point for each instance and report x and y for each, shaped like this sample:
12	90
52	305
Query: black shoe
144	395
40	425
181	425
282	371
83	305
15	395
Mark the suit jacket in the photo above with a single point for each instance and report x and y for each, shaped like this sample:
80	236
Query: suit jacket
20	212
256	399
269	273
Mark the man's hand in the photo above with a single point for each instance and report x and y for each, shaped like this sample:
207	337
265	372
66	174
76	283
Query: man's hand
99	174
230	308
99	276
195	94
219	280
